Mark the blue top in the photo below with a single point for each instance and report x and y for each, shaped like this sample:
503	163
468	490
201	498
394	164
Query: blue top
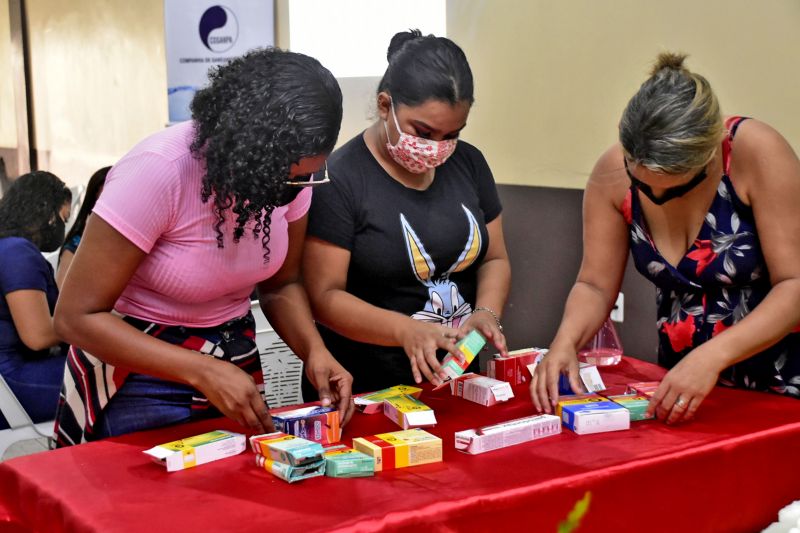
22	266
722	277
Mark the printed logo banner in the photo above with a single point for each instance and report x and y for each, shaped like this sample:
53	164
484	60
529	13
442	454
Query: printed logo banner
201	34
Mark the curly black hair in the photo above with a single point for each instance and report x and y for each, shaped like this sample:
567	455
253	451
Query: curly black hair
260	114
31	205
93	189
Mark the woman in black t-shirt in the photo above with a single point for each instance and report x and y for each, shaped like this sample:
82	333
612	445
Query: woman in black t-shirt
405	251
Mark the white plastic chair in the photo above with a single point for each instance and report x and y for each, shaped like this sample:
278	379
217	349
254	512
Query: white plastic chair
283	370
21	426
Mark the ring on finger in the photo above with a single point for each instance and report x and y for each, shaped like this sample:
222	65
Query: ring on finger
680	402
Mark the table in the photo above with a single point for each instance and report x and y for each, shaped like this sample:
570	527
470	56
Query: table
729	470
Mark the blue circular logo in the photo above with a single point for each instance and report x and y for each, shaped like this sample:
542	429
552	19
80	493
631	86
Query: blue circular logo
219	29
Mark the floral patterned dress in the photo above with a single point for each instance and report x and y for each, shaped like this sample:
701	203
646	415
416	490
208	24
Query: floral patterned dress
721	279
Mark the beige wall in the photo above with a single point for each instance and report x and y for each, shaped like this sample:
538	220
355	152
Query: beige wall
8	118
99	80
552	77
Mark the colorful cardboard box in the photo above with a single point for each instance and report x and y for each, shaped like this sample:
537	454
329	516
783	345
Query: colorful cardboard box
341	461
590	377
286	449
469	347
643	388
372	402
288	472
494	437
635	403
400	449
481	389
589	413
576	398
517	367
200	449
317	423
408	412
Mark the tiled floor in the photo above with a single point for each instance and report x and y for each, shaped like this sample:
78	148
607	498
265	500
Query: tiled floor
25	447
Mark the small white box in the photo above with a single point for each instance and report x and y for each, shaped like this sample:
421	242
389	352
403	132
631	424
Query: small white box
197	450
595	417
481	389
488	438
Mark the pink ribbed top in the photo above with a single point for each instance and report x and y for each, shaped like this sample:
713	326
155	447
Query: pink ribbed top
152	197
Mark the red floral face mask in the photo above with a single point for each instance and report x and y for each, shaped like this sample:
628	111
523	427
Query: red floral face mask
416	154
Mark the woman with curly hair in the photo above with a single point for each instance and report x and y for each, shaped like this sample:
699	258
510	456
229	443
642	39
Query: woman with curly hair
73	238
156	304
406	250
32	217
707	207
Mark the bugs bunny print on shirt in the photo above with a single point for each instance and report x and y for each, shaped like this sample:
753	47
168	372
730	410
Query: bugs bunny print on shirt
445	304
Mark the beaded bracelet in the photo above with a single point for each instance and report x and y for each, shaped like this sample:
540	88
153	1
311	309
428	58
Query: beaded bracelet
494	315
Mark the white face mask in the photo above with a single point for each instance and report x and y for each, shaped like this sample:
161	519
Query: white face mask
416	154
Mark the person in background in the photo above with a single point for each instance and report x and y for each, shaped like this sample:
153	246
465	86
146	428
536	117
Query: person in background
156	305
405	251
73	238
707	206
32	217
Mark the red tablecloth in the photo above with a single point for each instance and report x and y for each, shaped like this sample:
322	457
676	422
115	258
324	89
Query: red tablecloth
729	470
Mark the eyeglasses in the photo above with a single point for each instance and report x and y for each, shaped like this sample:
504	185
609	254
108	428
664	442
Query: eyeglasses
310	180
295	187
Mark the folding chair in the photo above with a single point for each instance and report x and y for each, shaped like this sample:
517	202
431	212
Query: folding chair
22	427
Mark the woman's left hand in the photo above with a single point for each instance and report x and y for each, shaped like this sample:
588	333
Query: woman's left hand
333	383
487	326
684	388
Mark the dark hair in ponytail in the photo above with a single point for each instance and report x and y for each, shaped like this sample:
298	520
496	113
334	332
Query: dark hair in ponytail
425	67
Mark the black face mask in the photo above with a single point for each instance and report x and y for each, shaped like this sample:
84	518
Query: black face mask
51	237
670	193
288	195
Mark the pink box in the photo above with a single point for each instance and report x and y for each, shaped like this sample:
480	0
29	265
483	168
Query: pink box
481	389
644	388
488	438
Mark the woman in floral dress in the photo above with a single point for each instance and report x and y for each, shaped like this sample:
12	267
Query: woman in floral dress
708	208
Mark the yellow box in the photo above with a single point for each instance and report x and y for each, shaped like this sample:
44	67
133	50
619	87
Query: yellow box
372	402
400	449
408	412
200	449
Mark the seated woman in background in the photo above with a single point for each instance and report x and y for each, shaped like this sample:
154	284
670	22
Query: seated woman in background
73	238
32	217
708	208
405	251
156	305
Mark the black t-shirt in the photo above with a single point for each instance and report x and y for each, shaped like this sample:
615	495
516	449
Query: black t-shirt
414	252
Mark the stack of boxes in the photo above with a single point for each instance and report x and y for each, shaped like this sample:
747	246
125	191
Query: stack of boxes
591	413
296	452
288	457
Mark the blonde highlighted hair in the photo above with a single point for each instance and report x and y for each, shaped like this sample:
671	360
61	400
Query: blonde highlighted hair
673	124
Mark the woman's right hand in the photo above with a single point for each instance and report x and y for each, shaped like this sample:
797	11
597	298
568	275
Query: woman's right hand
544	385
234	393
420	341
